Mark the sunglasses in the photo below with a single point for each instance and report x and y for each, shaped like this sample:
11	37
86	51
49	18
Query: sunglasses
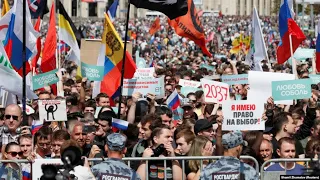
14	154
13	117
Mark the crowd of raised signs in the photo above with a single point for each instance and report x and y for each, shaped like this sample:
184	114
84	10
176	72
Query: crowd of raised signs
278	114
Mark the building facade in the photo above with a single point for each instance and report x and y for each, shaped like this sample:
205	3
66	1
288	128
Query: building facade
76	8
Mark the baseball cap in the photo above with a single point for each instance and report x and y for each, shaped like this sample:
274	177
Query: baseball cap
233	139
202	124
116	141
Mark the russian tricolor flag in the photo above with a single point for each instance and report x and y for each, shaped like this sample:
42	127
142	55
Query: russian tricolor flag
118	124
318	49
173	100
36	125
112	11
13	41
288	27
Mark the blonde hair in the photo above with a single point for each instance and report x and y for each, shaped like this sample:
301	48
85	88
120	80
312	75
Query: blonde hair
196	150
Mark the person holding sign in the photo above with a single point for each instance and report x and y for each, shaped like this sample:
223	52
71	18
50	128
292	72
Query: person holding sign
229	166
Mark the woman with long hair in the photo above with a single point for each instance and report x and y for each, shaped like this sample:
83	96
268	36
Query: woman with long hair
201	146
11	170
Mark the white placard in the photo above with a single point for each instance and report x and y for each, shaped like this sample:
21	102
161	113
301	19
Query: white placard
36	166
144	73
243	115
144	86
260	85
52	110
187	83
214	91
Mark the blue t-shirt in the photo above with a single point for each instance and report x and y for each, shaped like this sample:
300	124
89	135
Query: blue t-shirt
297	170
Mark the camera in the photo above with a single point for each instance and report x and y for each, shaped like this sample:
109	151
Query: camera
158	151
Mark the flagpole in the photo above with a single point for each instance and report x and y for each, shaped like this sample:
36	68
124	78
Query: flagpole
124	58
24	59
294	71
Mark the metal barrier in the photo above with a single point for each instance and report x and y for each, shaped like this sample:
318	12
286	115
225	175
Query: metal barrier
164	159
183	159
307	160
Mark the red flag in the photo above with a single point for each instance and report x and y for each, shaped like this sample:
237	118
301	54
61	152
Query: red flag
48	61
190	26
288	27
155	26
34	61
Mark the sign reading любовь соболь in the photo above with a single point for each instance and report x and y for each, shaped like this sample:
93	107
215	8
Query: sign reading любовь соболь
92	72
291	89
243	115
44	79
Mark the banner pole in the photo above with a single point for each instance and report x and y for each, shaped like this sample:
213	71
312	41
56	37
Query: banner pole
294	68
24	59
124	58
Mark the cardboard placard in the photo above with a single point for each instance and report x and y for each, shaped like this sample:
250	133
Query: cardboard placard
144	86
243	115
291	90
260	85
52	110
44	79
187	83
144	73
214	91
235	79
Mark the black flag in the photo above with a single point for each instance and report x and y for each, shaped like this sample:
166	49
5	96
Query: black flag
171	8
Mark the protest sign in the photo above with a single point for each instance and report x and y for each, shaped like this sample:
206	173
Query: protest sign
144	73
260	85
214	91
291	89
44	79
92	72
235	79
304	53
140	62
186	90
187	83
36	166
90	50
243	115
315	79
52	110
144	86
208	67
178	114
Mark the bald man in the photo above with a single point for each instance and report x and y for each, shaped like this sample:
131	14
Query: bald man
12	120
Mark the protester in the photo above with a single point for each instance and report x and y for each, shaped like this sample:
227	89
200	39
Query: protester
287	150
191	125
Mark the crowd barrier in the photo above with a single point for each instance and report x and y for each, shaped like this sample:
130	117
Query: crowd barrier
263	172
164	159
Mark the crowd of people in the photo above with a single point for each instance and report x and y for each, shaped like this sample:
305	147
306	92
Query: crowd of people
291	131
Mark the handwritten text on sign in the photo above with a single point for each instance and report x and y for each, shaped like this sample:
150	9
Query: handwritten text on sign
144	73
187	83
242	115
144	86
235	79
215	92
